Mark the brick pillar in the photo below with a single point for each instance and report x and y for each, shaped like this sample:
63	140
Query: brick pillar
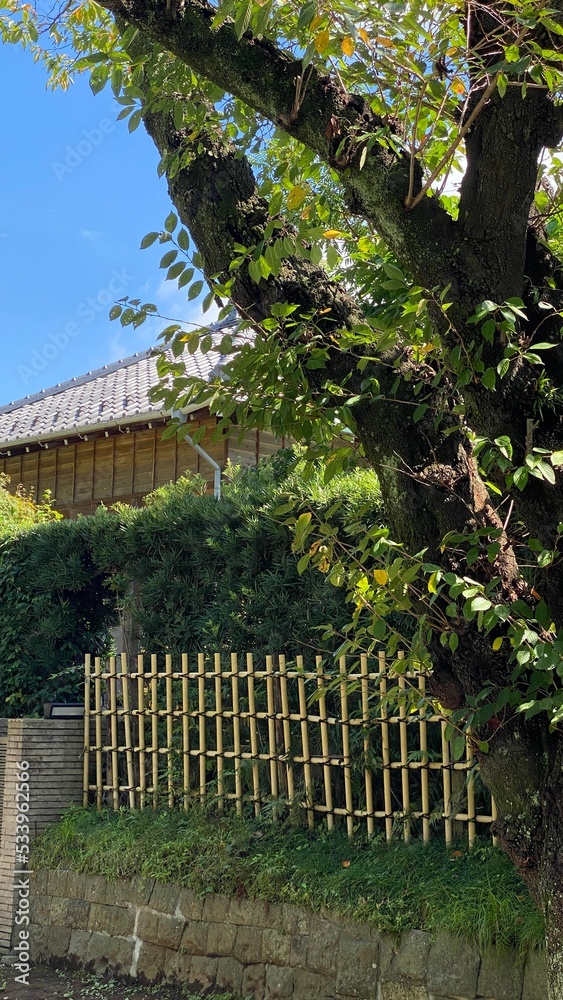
54	750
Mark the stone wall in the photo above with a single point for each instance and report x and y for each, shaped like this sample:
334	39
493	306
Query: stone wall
267	951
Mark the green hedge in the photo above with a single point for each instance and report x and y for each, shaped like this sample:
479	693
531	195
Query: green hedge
206	574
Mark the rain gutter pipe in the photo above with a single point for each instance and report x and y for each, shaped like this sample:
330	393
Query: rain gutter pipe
182	418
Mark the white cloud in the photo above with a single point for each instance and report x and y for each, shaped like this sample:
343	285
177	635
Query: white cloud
91	235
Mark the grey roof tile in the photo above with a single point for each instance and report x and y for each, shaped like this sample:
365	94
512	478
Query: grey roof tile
115	393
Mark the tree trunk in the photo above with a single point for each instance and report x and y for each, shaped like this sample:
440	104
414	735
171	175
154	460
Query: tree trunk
429	478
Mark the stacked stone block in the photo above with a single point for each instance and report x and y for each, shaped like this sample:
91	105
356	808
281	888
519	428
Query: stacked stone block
265	951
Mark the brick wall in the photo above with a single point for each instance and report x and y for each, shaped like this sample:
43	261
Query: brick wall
53	749
267	951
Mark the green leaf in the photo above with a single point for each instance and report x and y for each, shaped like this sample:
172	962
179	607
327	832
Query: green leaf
242	20
301	530
489	378
520	477
546	471
316	254
171	222
168	258
502	83
254	271
195	290
303	563
481	604
135	120
458	747
148	240
488	330
183	239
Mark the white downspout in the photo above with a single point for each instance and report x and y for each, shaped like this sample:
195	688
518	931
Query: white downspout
183	419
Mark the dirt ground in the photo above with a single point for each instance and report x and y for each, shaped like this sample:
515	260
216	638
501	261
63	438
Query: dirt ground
59	984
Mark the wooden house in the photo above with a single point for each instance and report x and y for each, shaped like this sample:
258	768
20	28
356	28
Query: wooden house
98	438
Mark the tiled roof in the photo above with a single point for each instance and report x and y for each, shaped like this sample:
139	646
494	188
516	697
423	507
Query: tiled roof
117	393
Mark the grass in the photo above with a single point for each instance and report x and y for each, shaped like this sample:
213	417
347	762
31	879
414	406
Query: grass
475	895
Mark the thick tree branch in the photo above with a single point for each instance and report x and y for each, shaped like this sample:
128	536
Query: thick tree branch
266	79
497	190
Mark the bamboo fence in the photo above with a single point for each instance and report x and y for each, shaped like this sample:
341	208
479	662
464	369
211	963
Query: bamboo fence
277	737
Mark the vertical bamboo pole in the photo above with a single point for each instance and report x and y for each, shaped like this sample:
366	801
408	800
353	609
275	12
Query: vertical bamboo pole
304	719
86	770
253	734
387	796
113	729
325	744
219	735
367	770
142	740
99	739
423	731
344	716
286	731
471	824
201	722
154	728
127	729
236	732
169	729
272	750
403	736
185	730
447	784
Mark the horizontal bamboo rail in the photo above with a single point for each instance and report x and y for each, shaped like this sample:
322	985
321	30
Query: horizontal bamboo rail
278	737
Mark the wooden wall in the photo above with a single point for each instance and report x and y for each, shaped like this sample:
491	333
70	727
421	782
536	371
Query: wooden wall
124	466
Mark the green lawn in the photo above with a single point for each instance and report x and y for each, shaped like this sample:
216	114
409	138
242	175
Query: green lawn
477	895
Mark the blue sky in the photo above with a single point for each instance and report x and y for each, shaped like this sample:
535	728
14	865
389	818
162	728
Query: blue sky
77	194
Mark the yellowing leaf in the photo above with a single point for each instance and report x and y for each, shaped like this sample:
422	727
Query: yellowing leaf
364	35
380	576
322	40
348	46
458	86
316	22
432	581
296	196
386	42
332	234
497	643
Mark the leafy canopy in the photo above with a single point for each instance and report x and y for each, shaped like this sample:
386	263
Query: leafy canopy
414	81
